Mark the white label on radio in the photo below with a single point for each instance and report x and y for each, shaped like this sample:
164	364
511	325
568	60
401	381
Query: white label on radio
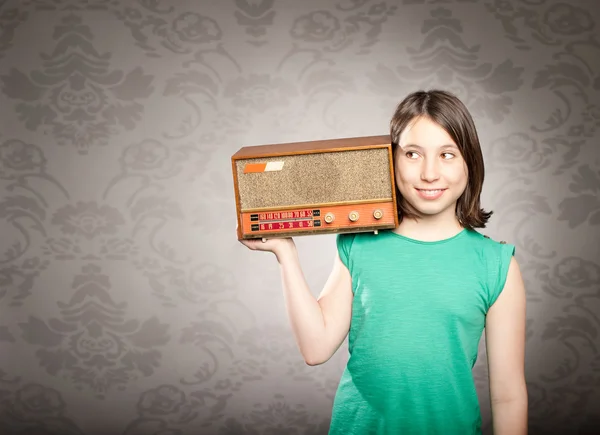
274	166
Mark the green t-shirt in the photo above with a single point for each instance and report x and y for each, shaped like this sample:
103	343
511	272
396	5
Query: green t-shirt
418	314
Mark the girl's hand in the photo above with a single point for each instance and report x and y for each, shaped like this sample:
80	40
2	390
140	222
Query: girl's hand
276	246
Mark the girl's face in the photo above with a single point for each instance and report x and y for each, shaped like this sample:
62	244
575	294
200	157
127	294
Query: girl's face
430	171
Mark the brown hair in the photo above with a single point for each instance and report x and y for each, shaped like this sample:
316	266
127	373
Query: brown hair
450	113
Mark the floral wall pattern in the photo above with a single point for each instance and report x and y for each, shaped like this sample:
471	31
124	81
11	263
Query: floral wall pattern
127	304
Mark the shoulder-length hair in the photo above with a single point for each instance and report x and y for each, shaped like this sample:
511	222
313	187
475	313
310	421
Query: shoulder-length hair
450	113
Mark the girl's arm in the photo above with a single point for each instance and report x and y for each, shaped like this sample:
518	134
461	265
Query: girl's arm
321	324
505	342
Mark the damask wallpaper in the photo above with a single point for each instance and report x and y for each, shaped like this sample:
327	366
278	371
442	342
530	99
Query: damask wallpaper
127	304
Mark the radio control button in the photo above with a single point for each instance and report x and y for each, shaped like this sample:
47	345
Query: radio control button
353	216
377	214
329	217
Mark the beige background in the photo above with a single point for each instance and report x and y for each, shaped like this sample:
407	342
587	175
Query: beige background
127	304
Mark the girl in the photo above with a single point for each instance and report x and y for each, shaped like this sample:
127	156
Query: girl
414	301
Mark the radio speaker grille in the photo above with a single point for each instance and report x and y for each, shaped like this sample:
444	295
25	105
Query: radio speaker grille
316	178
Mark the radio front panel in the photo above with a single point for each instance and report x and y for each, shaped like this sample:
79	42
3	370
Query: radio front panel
338	185
326	218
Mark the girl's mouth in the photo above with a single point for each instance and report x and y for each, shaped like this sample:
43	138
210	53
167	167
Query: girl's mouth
430	193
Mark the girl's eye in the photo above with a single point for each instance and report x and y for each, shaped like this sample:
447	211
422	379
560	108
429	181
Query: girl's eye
413	155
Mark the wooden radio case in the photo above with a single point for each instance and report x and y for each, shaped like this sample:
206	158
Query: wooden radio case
327	186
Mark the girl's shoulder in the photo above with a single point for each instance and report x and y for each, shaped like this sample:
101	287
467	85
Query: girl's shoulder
497	252
490	246
496	256
493	241
488	240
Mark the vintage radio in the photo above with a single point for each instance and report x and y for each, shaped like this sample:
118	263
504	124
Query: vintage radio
327	186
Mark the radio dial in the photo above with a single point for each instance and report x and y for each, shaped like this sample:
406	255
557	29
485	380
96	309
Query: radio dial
329	217
353	216
377	214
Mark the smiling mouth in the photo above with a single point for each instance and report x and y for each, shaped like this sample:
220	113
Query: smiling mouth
430	193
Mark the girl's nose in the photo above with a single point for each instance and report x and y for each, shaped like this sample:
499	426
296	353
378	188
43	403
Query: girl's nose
430	170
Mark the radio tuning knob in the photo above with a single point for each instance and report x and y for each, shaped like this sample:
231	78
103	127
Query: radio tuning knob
329	217
377	214
353	216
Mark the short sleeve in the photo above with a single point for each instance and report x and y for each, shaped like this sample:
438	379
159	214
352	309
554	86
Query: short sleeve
344	244
498	269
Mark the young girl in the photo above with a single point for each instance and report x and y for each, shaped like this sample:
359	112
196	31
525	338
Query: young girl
414	301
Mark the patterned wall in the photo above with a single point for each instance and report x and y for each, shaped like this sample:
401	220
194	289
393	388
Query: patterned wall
127	304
